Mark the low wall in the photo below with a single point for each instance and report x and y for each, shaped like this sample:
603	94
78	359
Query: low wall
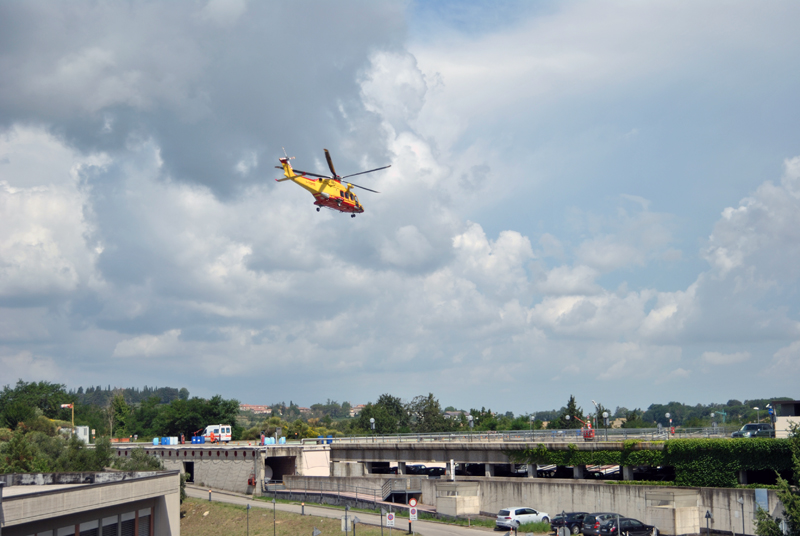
673	510
228	475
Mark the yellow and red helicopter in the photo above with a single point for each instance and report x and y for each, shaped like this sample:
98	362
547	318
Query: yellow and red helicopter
328	191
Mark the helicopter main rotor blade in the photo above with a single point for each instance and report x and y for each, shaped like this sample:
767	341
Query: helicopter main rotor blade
367	189
301	172
330	162
370	171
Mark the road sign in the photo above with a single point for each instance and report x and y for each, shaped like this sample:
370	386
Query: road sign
412	513
390	519
412	502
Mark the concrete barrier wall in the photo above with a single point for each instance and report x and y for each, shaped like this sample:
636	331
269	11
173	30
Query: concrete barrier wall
673	510
229	475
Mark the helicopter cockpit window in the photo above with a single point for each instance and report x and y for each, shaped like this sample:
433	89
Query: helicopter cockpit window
341	192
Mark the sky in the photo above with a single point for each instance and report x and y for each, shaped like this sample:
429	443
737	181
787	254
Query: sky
589	198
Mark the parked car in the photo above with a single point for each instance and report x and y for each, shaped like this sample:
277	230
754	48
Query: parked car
592	522
754	429
415	469
435	471
627	527
508	518
573	521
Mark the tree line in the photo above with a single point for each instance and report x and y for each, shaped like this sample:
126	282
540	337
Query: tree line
37	406
167	411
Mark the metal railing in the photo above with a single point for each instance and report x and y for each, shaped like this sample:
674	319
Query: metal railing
541	436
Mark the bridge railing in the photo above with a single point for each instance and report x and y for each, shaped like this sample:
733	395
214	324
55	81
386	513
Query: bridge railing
528	436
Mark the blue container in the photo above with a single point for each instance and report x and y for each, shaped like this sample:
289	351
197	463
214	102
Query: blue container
330	439
156	440
201	440
165	441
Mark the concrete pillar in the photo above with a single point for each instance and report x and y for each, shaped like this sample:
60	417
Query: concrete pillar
489	469
627	473
367	468
742	477
532	468
401	468
578	472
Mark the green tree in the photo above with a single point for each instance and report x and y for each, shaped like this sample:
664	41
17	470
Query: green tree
390	414
17	412
138	460
427	414
571	410
633	419
119	414
789	496
46	396
19	456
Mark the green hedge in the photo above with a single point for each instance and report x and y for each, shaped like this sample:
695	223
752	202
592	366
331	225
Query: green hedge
697	462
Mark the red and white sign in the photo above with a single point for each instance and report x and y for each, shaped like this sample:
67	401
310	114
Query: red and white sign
412	502
390	519
412	514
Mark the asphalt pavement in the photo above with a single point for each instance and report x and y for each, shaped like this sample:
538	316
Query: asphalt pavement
425	528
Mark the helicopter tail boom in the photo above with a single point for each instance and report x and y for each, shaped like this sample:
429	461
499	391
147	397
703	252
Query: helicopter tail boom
287	170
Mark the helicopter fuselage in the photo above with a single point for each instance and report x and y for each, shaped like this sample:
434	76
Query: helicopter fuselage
330	193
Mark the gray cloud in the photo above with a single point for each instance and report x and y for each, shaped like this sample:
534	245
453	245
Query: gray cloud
142	235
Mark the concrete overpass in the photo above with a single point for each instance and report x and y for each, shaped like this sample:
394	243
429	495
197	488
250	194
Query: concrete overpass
462	452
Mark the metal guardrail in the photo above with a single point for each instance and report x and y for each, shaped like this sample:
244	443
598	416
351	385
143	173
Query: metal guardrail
541	436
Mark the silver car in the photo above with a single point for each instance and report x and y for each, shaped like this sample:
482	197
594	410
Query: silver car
515	516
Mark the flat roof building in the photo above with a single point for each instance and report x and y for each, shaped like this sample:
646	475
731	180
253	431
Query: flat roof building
90	504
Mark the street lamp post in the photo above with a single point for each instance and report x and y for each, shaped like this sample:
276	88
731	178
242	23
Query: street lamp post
757	414
605	420
668	416
346	523
273	515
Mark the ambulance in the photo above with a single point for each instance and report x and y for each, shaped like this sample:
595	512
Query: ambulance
217	433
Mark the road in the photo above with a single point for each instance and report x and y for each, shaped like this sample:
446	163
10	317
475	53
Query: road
425	528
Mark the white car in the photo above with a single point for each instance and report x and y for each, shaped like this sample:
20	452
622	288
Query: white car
519	515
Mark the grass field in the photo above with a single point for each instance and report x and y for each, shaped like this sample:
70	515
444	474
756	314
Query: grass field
201	518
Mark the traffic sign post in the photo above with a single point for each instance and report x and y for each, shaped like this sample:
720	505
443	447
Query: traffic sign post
412	513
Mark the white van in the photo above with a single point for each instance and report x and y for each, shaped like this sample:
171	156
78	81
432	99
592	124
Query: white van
217	433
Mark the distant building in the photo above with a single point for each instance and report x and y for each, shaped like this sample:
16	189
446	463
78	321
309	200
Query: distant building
104	503
264	410
304	411
454	414
788	412
355	410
